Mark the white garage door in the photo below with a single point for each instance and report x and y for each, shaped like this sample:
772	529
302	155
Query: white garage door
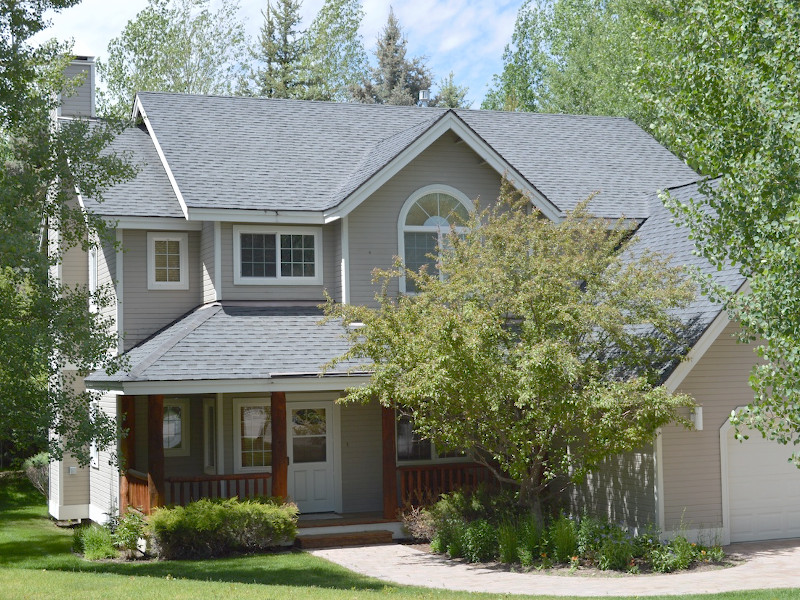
764	490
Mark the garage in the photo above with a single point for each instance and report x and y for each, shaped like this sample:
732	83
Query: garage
763	489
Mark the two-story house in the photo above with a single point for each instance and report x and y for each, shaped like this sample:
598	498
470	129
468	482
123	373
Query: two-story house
246	210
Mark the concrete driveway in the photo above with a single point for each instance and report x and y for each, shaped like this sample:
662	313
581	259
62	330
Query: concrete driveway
766	565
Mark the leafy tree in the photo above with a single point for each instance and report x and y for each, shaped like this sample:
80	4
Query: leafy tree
728	100
281	51
45	328
396	79
527	347
575	57
451	95
335	58
173	46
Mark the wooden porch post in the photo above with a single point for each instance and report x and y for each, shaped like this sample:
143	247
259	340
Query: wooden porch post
280	456
155	450
127	448
389	463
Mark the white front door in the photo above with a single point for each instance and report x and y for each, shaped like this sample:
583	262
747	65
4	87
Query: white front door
310	431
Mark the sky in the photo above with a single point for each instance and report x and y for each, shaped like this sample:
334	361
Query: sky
463	36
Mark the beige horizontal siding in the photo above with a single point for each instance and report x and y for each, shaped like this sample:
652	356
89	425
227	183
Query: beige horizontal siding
691	459
104	478
621	490
332	259
207	261
373	224
146	311
362	463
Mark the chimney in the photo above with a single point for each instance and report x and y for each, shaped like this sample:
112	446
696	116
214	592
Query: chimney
80	101
424	97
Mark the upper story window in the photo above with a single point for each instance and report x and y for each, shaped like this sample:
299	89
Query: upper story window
167	261
426	217
276	255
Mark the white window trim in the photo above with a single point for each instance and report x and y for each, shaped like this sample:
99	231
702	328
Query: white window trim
238	403
184	449
93	279
209	403
183	239
238	230
412	199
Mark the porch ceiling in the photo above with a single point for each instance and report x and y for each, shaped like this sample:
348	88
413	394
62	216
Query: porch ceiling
234	342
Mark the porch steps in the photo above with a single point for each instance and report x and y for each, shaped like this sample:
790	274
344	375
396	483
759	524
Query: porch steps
333	540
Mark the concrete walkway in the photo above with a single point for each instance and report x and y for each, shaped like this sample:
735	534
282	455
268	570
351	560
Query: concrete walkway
767	565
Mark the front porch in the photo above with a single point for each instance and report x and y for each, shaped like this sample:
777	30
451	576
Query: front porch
152	478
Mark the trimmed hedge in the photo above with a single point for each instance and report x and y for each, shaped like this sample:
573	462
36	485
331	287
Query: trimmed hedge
209	528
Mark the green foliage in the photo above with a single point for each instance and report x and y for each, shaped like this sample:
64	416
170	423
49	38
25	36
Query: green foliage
129	530
45	326
209	528
94	542
335	58
508	542
451	95
572	56
480	541
563	538
37	469
616	552
396	79
280	50
549	316
173	46
727	97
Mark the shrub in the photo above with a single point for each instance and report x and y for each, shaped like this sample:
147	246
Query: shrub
209	528
37	469
508	542
480	541
129	530
419	523
563	537
684	552
94	542
663	560
616	553
531	538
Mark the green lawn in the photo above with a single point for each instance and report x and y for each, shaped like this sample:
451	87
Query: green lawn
37	562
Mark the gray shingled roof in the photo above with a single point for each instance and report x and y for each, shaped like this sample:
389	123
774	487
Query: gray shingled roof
270	154
150	193
660	234
224	342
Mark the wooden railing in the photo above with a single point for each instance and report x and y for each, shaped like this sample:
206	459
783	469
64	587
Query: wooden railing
135	493
182	490
425	483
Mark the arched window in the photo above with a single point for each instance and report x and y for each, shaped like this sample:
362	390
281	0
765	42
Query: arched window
426	217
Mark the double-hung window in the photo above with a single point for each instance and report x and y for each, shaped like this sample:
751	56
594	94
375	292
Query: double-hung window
167	261
283	255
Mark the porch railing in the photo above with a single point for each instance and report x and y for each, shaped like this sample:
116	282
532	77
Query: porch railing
182	490
423	484
136	493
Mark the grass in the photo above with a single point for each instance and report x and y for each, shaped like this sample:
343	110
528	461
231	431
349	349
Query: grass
36	562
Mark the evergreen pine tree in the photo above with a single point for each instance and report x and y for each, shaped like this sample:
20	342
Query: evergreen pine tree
396	79
451	95
281	47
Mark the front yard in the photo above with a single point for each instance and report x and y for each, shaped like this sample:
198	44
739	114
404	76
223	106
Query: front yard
37	562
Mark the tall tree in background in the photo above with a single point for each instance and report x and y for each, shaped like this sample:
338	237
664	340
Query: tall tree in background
44	327
451	95
575	57
728	100
173	46
396	79
335	58
280	52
